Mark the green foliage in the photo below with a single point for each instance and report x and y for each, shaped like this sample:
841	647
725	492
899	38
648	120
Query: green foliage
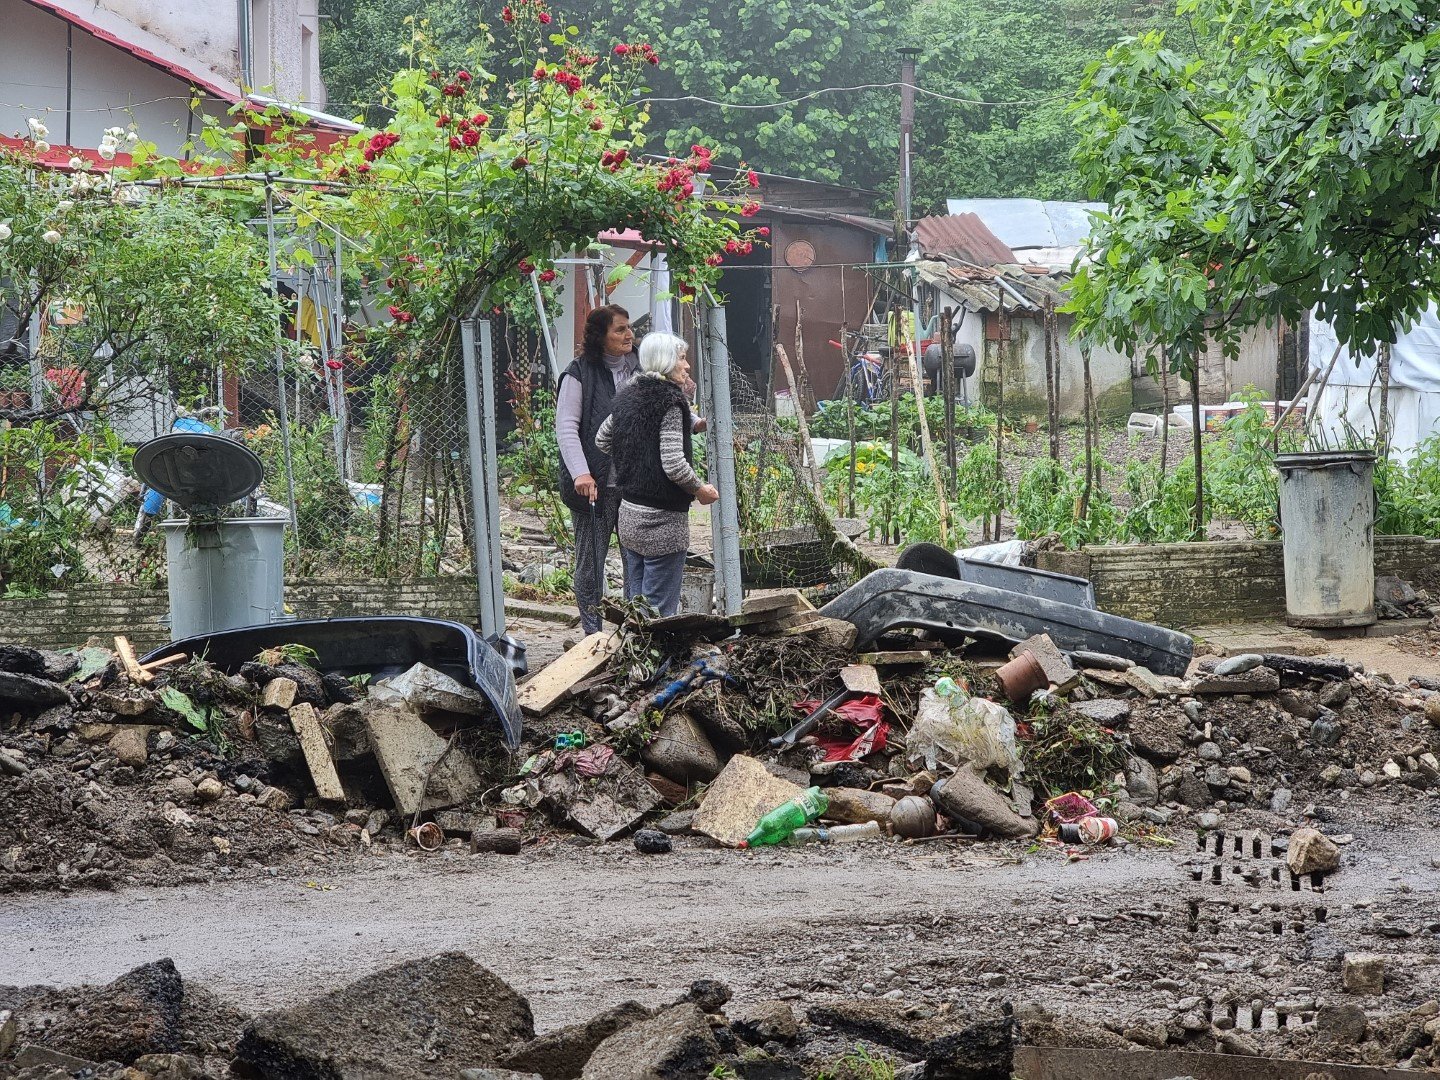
832	420
1051	499
205	722
1162	507
1032	54
290	654
1407	496
533	460
900	495
1240	477
323	506
1284	153
980	489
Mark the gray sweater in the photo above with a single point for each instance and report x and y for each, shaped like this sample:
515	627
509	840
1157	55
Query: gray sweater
648	530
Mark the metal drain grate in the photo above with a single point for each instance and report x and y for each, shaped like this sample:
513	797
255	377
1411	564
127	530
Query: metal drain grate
1248	857
1214	918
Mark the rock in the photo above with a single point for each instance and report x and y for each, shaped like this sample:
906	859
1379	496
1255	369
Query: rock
953	1047
1191	709
1363	973
1153	1036
209	790
424	1018
1239	774
1157	815
677	824
1301	703
1146	681
1107	712
709	995
273	798
1280	800
139	1013
675	1045
376	821
680	751
1257	680
30	693
1232	1042
1432	710
1207	821
1343	1024
1159	734
279	693
127	701
741	795
1238	665
180	790
967	798
22	660
1325	730
1392	769
488	1073
7	1032
128	744
427	690
1208	751
1216	777
1191	790
1101	661
855	806
1310	852
1390	589
12	762
562	1054
652	842
767	1021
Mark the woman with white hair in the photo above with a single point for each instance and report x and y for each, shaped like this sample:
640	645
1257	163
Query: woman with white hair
647	436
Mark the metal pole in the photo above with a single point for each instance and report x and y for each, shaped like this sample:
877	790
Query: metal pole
725	514
280	362
484	478
544	320
907	131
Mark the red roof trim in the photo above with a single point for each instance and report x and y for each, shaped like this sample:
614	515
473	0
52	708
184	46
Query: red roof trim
58	156
145	55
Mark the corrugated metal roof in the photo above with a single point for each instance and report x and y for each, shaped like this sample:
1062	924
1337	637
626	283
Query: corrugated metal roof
1030	223
208	81
980	290
963	236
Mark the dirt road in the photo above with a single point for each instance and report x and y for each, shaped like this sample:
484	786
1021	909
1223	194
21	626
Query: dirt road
577	928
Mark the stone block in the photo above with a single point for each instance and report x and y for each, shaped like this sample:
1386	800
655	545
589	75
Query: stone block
1311	852
675	1045
409	752
1363	973
1058	670
1256	680
128	744
741	795
767	1021
562	1054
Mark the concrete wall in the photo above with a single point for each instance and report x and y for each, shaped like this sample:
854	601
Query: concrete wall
68	618
1022	359
1218	582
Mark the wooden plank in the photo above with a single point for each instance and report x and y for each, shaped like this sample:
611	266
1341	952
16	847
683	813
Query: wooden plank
164	661
317	754
807	448
132	666
546	689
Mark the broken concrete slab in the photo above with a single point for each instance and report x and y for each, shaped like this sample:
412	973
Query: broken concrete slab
951	1047
487	1073
741	795
1146	681
1058	670
279	693
675	1045
562	1054
966	797
127	701
128	744
410	756
861	679
306	725
1311	852
601	806
33	1057
1256	680
1104	711
426	689
29	692
856	806
547	688
681	752
139	1013
425	1018
767	1021
1363	973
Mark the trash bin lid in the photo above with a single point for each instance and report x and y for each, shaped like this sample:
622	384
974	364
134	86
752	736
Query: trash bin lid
195	469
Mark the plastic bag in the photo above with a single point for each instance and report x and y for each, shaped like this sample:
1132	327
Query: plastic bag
951	727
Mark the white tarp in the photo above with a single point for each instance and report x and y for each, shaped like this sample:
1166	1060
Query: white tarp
1349	402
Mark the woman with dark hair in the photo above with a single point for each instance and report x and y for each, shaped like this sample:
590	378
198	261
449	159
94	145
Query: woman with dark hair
607	361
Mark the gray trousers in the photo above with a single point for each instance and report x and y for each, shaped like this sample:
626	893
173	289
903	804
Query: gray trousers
593	531
657	578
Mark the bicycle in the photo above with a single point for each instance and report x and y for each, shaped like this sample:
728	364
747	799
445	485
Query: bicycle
866	379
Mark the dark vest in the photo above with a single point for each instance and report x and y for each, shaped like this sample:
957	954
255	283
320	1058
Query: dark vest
597	391
638	412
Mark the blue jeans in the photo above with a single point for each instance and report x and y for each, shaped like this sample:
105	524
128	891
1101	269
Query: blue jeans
656	578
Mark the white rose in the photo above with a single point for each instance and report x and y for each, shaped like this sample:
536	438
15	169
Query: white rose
107	151
37	129
77	163
132	136
41	146
64	204
50	236
4	231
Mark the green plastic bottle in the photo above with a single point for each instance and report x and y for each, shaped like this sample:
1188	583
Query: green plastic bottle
779	823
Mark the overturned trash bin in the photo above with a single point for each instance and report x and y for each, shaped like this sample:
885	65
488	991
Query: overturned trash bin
1327	514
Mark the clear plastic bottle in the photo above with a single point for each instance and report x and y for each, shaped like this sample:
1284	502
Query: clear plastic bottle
835	834
784	820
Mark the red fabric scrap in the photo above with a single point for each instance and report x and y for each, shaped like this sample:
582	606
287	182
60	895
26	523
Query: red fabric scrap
865	714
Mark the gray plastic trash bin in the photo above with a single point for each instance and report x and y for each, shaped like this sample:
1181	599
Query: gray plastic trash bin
1327	512
225	575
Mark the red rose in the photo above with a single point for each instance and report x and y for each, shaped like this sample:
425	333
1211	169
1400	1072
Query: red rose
334	365
520	162
471	137
480	119
540	73
750	209
752	178
547	276
764	230
443	120
394	311
525	267
406	317
651	58
363	167
544	18
507	14
596	124
714	260
622	50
